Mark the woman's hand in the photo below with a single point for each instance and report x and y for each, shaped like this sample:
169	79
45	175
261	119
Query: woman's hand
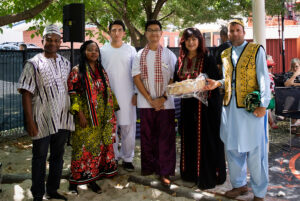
291	81
82	119
297	73
211	85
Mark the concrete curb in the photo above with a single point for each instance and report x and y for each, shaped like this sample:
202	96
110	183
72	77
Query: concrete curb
18	178
178	191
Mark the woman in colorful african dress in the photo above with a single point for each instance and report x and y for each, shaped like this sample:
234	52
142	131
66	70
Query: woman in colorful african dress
93	106
202	151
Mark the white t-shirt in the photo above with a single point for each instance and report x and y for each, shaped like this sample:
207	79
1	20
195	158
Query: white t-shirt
168	67
117	63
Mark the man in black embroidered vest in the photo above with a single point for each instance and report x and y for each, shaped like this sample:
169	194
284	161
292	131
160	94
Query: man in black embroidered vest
46	103
243	133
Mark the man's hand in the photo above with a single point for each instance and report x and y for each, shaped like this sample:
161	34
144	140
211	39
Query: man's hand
82	119
134	100
212	84
32	129
158	103
259	112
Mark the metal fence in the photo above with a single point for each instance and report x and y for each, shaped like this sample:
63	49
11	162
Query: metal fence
11	65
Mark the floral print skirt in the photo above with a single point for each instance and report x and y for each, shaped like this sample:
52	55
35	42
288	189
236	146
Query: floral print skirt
89	168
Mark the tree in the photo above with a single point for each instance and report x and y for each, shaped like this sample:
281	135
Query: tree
276	7
22	10
134	13
180	13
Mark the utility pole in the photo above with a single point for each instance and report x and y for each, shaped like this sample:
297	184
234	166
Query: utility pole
282	36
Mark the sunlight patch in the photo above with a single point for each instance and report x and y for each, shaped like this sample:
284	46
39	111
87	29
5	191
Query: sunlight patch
19	193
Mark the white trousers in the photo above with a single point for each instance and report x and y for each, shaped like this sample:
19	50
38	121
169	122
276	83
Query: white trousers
257	162
126	153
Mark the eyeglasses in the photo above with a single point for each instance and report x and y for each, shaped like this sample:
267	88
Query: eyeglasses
153	30
116	30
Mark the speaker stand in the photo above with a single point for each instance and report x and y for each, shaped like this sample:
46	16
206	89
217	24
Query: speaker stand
72	63
72	55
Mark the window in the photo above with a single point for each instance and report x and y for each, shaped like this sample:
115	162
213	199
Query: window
166	41
176	41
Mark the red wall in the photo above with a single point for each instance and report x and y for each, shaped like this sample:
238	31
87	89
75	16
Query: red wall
37	40
291	50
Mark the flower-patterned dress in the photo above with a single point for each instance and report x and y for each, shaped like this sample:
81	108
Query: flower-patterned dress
92	146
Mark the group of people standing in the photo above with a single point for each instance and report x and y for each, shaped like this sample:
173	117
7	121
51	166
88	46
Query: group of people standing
97	99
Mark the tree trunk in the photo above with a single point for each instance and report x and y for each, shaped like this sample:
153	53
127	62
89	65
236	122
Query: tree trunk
27	14
143	41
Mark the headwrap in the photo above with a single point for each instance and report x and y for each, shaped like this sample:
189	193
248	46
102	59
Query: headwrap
51	29
158	77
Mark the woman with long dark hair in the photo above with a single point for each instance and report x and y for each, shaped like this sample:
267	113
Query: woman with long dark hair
93	106
202	151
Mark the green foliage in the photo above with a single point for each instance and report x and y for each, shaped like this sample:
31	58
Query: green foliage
134	13
274	7
191	12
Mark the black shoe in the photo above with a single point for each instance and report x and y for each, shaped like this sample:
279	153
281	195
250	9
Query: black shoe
73	188
56	195
37	198
94	186
128	166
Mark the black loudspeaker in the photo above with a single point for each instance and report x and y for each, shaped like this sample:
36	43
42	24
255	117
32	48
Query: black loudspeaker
73	23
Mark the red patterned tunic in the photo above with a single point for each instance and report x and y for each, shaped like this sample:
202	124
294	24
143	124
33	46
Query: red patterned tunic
92	154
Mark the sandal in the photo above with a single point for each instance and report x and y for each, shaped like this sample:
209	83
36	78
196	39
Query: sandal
94	186
273	126
165	181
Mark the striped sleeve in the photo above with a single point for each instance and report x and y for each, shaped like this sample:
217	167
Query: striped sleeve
27	79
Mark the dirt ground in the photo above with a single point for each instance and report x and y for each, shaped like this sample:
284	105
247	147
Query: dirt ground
15	156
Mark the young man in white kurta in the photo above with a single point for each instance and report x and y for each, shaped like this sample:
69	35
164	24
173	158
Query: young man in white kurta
117	60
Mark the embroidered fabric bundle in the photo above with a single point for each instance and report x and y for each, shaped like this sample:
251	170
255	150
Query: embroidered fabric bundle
189	88
252	101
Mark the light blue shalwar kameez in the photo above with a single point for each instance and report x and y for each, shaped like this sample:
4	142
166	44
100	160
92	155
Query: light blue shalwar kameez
244	134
